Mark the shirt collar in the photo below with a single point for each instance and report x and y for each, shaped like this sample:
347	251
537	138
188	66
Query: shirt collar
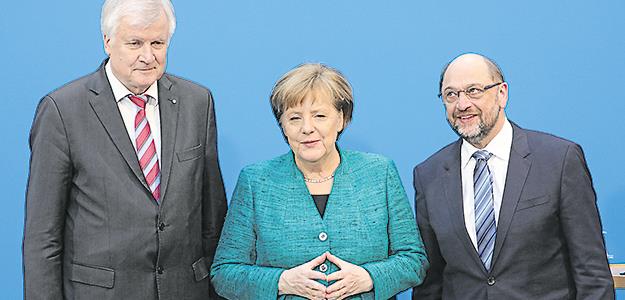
500	146
120	91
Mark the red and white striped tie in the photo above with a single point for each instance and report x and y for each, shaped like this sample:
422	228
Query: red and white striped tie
146	149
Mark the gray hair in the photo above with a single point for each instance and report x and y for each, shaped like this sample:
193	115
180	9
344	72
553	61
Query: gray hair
145	12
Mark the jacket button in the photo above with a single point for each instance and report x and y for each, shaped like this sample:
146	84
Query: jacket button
323	267
161	226
491	280
159	270
323	236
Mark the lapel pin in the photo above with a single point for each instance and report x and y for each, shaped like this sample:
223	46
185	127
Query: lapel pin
173	101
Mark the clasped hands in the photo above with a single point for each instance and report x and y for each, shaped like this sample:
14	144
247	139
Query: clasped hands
301	280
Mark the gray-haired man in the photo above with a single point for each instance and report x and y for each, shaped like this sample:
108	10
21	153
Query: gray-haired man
125	197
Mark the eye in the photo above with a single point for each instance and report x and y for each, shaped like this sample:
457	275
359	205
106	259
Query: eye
294	118
158	44
474	90
451	94
321	116
134	44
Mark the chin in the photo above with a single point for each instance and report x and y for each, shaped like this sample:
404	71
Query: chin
310	157
469	132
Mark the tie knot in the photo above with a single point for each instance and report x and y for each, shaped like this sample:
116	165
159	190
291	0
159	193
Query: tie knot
139	100
482	155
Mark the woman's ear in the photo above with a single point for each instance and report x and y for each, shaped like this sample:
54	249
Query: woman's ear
341	122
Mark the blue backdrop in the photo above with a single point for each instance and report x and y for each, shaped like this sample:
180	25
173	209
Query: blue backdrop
564	61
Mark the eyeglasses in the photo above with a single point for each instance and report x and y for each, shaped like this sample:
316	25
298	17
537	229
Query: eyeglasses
473	93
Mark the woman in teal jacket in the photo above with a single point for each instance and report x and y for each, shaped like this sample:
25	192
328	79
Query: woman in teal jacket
318	222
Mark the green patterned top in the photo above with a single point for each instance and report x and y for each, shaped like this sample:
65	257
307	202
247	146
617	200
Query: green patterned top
273	225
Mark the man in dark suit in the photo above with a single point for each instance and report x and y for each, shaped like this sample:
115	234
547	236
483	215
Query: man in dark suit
505	212
125	197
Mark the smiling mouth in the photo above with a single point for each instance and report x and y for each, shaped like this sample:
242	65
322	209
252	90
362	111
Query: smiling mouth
466	117
146	70
309	143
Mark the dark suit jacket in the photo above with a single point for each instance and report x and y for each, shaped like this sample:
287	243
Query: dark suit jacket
92	230
549	242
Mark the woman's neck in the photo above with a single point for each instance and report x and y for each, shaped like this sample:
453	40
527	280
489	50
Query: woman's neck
320	169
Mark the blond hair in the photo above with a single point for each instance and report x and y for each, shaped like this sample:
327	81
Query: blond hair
297	84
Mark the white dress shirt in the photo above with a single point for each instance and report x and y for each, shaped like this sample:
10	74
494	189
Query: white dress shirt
498	164
129	110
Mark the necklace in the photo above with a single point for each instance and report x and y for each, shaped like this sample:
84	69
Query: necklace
320	180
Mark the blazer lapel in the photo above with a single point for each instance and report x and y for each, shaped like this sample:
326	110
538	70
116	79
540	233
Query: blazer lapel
342	190
518	168
453	191
168	107
105	107
301	201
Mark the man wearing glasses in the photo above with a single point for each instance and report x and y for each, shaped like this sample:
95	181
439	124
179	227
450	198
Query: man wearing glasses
505	212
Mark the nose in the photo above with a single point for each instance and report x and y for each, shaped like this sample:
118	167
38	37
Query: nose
307	125
147	54
463	102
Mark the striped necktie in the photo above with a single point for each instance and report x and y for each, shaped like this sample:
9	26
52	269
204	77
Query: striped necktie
484	209
146	149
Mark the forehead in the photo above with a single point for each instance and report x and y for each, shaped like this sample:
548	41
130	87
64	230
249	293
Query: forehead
465	71
131	25
313	99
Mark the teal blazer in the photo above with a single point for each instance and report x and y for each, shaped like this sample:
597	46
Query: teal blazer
273	225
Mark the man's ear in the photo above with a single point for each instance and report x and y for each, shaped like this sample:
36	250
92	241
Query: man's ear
503	95
107	44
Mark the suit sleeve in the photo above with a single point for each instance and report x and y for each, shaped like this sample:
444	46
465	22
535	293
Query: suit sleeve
234	273
49	183
581	227
433	285
406	265
214	205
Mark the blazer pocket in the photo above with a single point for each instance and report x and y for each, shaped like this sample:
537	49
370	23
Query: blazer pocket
527	203
191	153
93	275
200	270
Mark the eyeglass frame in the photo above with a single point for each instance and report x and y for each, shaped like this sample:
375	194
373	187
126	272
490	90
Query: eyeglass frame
484	89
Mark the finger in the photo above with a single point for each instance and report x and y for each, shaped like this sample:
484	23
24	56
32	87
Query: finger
346	293
344	296
337	261
338	275
316	261
313	285
317	292
337	286
336	294
316	275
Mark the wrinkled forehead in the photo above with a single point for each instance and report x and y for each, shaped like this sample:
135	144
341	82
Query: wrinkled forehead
157	21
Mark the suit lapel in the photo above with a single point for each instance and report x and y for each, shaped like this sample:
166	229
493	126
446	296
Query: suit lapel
168	107
105	107
518	168
453	191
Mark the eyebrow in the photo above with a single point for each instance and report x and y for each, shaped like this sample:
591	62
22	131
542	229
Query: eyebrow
466	86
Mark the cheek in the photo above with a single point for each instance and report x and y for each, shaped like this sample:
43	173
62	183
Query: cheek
449	112
161	56
289	133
